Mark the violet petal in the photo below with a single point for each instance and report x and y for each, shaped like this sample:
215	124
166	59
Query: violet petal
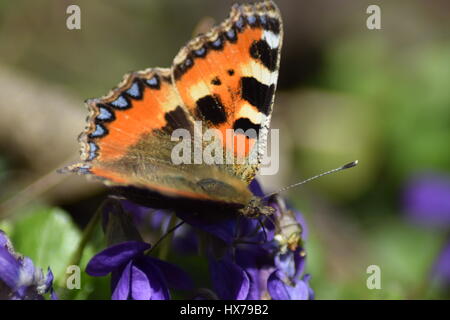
276	287
158	287
442	265
140	287
230	281
122	288
9	268
113	257
279	290
427	199
255	188
174	276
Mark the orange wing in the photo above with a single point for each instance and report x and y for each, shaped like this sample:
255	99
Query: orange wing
127	142
145	101
227	78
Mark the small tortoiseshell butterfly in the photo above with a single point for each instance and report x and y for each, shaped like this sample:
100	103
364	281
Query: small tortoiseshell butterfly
226	79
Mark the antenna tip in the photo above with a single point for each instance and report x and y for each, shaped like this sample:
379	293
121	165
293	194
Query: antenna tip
350	165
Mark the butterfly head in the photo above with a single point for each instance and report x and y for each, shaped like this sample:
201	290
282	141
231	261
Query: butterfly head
256	207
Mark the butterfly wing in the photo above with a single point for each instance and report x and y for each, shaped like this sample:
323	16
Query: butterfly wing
228	73
227	79
127	142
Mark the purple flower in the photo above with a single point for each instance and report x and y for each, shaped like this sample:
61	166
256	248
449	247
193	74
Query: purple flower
143	216
19	278
229	280
136	276
249	258
286	283
442	265
427	201
184	239
263	259
256	272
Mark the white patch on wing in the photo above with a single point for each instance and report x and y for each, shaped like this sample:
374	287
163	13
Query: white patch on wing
171	101
262	141
247	111
198	90
258	71
272	39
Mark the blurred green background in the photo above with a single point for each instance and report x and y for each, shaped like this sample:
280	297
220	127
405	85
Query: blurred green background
345	93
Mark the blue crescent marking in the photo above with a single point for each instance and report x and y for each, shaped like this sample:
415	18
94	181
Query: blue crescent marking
105	114
134	90
120	102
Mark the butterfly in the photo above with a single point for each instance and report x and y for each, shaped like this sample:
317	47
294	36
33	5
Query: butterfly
225	80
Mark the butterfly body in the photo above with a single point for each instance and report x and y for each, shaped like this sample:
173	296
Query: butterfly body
225	80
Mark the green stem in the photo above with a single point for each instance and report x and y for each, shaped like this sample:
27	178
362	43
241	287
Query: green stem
86	236
164	246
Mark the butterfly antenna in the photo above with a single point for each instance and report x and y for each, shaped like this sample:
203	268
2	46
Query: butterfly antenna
345	166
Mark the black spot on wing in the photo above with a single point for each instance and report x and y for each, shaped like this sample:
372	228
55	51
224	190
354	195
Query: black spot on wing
273	25
269	23
261	51
257	93
230	72
249	128
176	119
216	81
211	109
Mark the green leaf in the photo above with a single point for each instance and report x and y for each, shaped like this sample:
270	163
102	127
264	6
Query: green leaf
48	236
92	288
405	254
